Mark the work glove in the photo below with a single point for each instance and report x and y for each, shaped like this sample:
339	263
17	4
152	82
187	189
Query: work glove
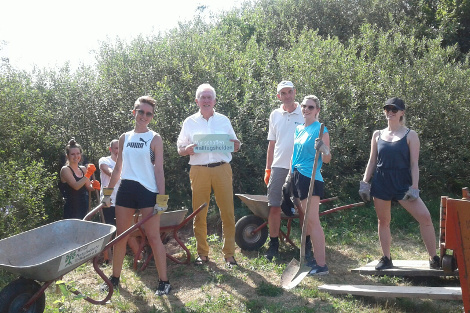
412	194
287	206
91	168
162	204
267	174
320	146
107	192
364	191
96	184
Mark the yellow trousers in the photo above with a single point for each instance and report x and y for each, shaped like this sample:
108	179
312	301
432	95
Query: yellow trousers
203	181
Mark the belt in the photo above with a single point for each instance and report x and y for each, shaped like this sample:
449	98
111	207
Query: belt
212	164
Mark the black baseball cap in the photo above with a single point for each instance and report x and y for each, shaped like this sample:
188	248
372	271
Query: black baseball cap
396	102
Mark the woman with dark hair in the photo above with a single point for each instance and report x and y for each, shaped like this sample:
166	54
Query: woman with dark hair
75	182
393	168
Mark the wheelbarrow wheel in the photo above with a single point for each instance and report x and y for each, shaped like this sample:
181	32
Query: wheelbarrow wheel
244	236
18	293
449	264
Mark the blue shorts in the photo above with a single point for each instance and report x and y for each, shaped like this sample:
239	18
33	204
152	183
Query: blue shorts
133	195
301	184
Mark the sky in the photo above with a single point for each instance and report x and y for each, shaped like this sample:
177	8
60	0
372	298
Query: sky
49	33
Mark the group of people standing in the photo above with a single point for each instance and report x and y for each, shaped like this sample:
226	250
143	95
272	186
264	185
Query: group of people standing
135	171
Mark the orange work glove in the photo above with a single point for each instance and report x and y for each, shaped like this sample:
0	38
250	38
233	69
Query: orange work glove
267	174
96	184
91	168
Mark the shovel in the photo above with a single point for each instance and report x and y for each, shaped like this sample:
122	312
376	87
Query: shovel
295	271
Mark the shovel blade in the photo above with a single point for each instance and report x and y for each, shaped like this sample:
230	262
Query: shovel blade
293	274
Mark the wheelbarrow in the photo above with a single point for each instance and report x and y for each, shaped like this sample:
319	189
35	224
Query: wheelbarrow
170	224
46	253
251	232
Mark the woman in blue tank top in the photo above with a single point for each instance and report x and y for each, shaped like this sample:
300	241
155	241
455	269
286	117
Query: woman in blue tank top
393	168
303	158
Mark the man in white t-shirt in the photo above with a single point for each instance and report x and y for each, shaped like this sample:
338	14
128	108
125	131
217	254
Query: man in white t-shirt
106	165
282	124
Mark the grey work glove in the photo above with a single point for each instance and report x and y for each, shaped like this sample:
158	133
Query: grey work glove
412	194
364	191
320	146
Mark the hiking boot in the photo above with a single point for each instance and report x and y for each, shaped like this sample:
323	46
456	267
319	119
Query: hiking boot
435	263
164	288
114	281
384	263
318	270
273	250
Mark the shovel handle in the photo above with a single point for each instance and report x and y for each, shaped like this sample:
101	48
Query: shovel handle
310	192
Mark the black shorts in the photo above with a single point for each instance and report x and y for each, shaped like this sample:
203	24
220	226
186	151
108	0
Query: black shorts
133	195
301	184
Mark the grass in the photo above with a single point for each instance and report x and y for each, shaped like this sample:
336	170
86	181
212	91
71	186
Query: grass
255	286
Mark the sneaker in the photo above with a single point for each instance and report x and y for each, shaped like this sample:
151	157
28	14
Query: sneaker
384	263
435	263
318	270
273	250
164	288
114	281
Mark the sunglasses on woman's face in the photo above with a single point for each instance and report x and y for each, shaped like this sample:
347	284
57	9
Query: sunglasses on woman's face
142	112
391	108
310	107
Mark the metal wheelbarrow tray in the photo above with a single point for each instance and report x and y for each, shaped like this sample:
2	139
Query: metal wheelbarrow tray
48	252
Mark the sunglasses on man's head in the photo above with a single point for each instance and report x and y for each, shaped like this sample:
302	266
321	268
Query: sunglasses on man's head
310	107
391	108
142	112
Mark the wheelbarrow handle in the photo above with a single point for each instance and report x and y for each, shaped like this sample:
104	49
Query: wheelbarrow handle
92	213
348	206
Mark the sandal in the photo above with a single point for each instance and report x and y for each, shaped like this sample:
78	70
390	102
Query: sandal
231	262
200	261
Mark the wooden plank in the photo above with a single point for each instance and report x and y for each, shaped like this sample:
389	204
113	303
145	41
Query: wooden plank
403	268
442	293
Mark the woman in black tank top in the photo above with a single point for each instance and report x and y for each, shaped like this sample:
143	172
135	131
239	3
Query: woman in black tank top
74	185
394	175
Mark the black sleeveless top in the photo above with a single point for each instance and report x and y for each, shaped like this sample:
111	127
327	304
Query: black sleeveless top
393	155
76	201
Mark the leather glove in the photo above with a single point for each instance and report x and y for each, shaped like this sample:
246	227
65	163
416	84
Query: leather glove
320	146
91	168
267	174
107	192
162	204
364	191
412	194
96	184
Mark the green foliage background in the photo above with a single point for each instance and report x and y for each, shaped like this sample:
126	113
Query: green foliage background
352	54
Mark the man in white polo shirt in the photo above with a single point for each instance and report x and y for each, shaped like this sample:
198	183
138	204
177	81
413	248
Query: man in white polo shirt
210	171
282	124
